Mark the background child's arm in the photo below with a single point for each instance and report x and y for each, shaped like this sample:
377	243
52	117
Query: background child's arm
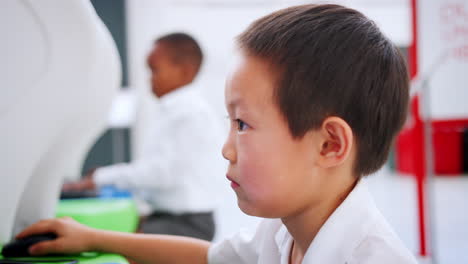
74	238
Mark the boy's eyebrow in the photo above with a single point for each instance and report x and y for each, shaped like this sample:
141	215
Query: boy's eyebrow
235	102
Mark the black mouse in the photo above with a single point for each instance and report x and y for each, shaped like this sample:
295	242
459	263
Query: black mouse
19	247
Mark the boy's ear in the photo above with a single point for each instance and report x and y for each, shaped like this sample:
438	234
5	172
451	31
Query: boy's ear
188	72
336	142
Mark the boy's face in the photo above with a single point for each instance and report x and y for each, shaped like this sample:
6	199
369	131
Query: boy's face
269	169
166	75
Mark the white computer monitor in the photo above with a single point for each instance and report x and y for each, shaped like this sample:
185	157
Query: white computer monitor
59	73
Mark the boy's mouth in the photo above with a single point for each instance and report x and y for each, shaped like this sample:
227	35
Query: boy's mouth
234	184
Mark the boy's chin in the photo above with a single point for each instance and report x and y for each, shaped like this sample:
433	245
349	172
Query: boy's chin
245	207
251	210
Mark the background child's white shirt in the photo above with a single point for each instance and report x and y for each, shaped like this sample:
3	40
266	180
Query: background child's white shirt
355	233
181	159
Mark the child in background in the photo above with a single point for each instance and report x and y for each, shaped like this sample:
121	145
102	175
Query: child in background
175	172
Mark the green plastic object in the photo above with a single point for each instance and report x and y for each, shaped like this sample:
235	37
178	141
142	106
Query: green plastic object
115	214
83	258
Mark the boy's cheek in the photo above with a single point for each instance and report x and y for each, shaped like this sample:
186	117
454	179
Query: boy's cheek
255	176
258	165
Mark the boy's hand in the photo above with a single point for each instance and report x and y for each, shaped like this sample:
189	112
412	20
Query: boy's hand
72	237
87	183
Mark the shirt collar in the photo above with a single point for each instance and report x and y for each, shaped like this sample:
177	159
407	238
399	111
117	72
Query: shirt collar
283	241
341	233
174	97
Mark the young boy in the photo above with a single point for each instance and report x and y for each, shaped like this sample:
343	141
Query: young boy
316	100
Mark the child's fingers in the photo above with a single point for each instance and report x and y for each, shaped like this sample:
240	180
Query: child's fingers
46	247
41	227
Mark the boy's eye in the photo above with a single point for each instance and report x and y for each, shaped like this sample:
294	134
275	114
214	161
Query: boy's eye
241	125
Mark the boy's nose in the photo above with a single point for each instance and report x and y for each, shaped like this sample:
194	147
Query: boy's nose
228	151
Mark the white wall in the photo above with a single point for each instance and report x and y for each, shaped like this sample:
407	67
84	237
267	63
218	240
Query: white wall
443	56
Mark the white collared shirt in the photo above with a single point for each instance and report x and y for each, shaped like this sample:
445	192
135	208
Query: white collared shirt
356	233
181	157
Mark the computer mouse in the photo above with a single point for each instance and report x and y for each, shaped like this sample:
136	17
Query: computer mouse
19	247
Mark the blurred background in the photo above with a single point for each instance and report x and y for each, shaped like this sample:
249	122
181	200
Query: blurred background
422	190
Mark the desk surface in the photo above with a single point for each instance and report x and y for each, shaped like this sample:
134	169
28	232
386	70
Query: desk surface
83	258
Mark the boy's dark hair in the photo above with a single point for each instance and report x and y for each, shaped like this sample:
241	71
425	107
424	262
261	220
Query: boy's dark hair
333	61
185	48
